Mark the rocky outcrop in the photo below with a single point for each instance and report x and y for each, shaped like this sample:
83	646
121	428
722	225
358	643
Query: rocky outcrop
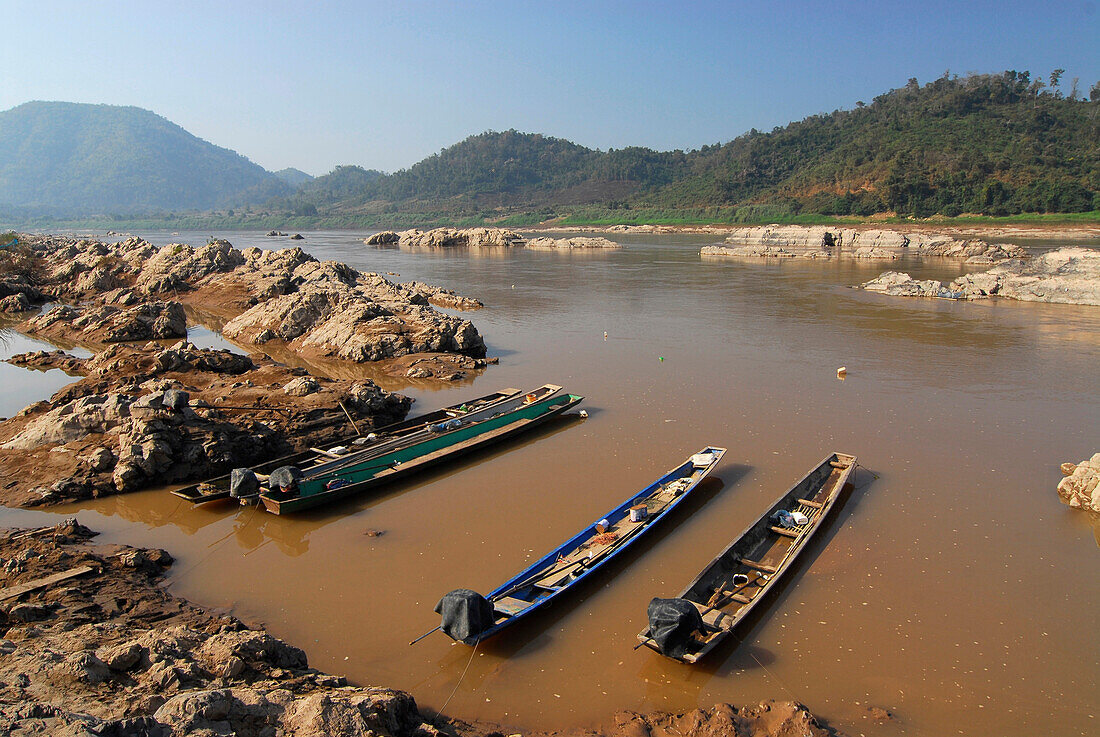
110	324
761	251
1080	489
1067	276
324	308
158	415
799	240
449	238
789	237
899	284
569	244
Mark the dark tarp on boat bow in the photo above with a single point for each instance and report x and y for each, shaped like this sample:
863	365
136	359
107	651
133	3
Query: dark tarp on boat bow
672	622
465	614
284	478
243	483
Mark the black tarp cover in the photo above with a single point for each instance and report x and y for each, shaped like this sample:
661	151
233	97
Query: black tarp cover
243	482
672	623
285	478
465	613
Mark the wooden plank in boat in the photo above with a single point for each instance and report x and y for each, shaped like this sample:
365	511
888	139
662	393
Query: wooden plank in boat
809	503
510	605
762	567
784	531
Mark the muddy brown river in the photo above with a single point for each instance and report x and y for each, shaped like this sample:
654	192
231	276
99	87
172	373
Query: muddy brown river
952	587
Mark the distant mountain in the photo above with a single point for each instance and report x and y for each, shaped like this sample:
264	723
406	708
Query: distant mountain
996	144
294	178
64	158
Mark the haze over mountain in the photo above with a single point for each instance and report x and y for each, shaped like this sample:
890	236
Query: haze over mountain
63	158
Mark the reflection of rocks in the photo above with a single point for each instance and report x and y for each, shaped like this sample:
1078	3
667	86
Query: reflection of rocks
1068	276
800	240
154	416
448	238
568	244
760	251
1081	488
110	324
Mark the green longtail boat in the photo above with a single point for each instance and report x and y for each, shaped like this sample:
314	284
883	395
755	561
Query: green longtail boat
380	440
339	479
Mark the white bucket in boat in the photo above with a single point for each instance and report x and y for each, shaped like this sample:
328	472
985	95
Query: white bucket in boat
702	460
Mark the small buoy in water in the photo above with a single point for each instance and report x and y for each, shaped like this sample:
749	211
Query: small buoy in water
513	286
605	335
660	358
840	372
584	413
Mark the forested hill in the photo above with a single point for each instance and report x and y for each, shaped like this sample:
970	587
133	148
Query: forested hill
66	158
994	144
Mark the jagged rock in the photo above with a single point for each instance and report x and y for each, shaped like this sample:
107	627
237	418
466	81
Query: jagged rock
1081	488
101	459
122	657
297	237
302	386
83	667
455	238
566	244
15	303
385	238
73	421
109	324
1067	275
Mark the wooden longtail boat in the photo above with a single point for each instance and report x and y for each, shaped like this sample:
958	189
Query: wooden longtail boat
328	482
218	488
579	557
743	574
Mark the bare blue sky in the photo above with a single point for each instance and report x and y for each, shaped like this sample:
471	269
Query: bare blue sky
383	85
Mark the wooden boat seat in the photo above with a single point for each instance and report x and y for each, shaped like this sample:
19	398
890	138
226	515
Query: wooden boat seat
510	605
712	620
762	567
784	531
810	504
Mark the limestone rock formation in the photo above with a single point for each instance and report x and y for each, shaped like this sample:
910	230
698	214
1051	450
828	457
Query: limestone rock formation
449	238
861	243
1066	275
1081	488
761	251
110	324
574	243
266	295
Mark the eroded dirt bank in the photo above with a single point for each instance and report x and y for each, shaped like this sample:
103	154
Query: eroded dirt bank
102	649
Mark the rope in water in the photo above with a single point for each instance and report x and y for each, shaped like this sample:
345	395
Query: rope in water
461	677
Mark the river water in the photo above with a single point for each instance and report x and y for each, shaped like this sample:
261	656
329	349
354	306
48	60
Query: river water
952	587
